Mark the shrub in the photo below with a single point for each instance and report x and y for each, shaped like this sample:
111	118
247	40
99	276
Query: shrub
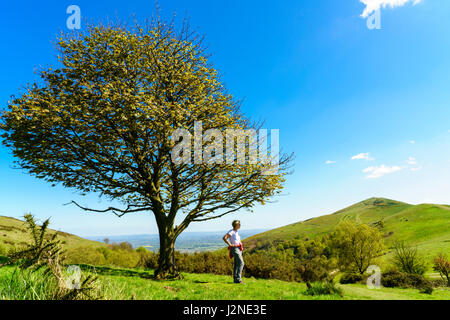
85	255
407	259
351	278
427	289
323	288
201	262
144	257
40	251
397	279
442	265
261	265
313	270
118	255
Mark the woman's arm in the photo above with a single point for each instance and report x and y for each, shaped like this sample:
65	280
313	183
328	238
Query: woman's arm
225	238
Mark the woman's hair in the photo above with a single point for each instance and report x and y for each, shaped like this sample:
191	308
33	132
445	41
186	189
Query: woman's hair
235	222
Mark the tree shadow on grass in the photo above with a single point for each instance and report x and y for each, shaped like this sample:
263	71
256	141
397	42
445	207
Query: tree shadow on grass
145	274
108	271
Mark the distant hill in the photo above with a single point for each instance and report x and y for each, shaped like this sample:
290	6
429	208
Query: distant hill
13	232
186	242
426	226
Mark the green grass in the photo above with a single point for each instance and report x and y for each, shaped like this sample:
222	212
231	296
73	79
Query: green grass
125	284
426	226
23	285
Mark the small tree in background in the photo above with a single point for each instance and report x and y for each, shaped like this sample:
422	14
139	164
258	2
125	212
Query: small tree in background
356	245
103	122
407	259
442	265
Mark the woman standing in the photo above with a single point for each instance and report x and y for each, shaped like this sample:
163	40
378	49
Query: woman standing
233	240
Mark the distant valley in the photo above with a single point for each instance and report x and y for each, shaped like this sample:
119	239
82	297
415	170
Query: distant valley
186	242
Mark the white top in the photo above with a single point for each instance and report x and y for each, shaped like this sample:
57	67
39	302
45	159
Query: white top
234	239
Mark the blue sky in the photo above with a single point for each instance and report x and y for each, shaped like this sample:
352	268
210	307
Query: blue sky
312	69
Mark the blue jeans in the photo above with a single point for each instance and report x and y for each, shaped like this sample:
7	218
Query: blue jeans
238	264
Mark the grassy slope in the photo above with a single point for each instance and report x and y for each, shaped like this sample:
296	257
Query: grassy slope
427	225
122	284
12	232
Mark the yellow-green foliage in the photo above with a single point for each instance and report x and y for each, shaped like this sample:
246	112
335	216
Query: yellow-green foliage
356	245
119	255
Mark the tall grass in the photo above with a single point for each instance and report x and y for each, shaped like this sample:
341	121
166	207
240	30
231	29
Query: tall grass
26	285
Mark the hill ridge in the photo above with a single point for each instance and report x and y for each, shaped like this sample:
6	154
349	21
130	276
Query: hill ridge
424	225
13	232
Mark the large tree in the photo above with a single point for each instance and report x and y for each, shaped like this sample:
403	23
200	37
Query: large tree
103	122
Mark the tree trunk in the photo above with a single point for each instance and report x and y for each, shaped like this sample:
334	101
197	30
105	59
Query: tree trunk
166	260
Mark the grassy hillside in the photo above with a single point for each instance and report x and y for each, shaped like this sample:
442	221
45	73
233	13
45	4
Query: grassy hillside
125	284
13	232
426	226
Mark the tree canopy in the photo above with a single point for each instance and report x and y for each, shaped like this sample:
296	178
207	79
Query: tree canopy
103	120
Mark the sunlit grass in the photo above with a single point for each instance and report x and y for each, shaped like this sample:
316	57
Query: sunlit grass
127	284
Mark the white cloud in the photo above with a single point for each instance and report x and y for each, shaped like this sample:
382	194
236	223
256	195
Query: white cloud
374	5
414	165
363	156
412	141
379	171
412	161
330	162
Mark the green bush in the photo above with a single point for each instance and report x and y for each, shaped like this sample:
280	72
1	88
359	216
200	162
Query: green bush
397	279
117	255
323	288
313	270
427	289
85	255
351	278
261	265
